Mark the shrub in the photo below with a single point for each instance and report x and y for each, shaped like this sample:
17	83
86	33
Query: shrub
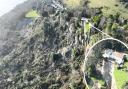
126	58
125	27
96	19
75	53
114	29
108	28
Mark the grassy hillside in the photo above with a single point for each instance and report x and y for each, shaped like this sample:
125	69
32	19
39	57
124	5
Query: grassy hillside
110	7
73	3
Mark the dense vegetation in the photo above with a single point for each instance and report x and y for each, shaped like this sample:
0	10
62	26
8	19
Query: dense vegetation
50	51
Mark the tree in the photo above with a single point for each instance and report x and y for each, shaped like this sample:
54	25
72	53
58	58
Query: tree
114	29
108	28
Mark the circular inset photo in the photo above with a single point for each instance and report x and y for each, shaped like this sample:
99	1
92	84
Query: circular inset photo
106	65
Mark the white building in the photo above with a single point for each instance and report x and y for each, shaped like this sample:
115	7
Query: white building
118	57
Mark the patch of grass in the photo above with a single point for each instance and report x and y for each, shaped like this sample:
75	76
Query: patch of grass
126	64
32	14
110	7
121	77
72	4
101	81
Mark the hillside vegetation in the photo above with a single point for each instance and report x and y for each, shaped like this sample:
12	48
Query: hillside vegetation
51	50
110	7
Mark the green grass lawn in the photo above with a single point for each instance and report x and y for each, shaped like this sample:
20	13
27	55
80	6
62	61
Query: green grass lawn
110	7
32	14
121	77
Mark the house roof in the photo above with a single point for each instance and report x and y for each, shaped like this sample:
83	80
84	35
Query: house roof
117	56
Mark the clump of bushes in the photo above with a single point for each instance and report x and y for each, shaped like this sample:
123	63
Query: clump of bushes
74	52
125	27
96	19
